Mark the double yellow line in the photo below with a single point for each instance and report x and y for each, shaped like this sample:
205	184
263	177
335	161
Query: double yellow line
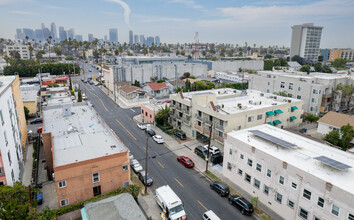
126	129
97	97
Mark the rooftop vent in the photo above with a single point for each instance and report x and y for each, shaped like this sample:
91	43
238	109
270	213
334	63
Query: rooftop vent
274	104
113	146
72	129
262	94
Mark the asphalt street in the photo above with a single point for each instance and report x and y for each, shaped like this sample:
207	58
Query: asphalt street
189	185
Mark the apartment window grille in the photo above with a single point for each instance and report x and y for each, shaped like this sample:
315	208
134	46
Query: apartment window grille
307	194
335	210
279	197
249	162
96	177
291	204
303	213
259	167
266	189
320	202
248	178
281	180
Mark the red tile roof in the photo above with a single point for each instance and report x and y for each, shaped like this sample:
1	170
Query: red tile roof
157	86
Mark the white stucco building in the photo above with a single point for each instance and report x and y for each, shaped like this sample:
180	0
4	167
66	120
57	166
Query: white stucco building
20	48
294	176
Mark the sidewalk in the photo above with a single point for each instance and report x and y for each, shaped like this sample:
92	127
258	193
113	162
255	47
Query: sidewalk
149	205
118	101
27	173
187	149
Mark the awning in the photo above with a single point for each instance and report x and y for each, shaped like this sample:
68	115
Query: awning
278	111
270	123
276	122
270	113
292	118
293	107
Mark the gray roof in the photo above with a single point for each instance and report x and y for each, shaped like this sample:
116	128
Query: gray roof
122	207
294	64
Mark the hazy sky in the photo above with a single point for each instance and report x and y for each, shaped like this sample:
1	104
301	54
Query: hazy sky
258	22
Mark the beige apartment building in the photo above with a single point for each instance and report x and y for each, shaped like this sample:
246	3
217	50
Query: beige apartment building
229	109
294	176
83	154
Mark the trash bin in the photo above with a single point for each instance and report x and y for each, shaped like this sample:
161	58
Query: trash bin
305	130
39	197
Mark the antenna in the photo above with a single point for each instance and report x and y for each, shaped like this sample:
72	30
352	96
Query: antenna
196	45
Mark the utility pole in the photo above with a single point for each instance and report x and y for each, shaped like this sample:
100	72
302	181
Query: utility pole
208	153
30	200
146	155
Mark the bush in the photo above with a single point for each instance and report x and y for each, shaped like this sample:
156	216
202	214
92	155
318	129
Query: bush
72	92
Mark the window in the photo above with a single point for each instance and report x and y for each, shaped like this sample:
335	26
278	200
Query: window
257	183
62	184
266	189
125	168
291	86
248	178
259	117
291	204
221	134
294	185
249	162
320	202
316	218
229	167
199	123
314	100
307	194
64	202
241	156
335	210
315	91
125	184
9	157
2	118
281	180
142	111
303	213
299	88
269	173
298	97
279	197
259	167
250	119
282	85
350	216
6	142
240	172
268	83
96	177
96	190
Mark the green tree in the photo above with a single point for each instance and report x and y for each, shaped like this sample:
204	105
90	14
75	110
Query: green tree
347	134
339	63
326	69
268	65
298	59
318	67
137	83
347	92
311	118
15	202
333	137
305	68
57	51
163	115
268	56
15	54
79	96
70	85
26	112
204	53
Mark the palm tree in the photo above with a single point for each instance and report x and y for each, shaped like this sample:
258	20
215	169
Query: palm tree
6	58
27	38
30	48
49	42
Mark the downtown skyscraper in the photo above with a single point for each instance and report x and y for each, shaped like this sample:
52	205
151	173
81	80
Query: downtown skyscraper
131	36
113	35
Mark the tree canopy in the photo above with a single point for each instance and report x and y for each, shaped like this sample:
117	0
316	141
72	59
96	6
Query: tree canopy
339	63
341	138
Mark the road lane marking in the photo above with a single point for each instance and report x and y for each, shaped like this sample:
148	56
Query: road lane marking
132	110
179	182
126	129
97	97
160	164
202	205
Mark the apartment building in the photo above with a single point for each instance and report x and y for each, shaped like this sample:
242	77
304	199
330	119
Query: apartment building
21	49
233	77
228	109
317	90
296	177
11	147
84	155
347	54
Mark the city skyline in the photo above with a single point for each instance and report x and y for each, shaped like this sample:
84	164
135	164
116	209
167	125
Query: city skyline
259	22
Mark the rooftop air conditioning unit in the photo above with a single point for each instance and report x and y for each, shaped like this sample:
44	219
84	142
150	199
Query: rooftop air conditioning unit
274	104
262	94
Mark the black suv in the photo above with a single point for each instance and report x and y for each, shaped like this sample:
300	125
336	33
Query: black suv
220	188
36	121
242	204
201	152
151	133
180	135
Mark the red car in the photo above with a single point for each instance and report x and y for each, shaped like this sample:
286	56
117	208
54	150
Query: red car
185	161
39	130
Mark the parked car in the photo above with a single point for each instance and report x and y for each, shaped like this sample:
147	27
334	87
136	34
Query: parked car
131	156
213	150
220	188
91	82
201	152
166	101
210	215
82	79
36	121
185	161
141	126
39	130
141	177
151	132
73	97
84	97
158	139
242	204
181	135
29	132
136	166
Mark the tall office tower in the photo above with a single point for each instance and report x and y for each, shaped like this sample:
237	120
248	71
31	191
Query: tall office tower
142	39
71	33
63	35
42	26
46	33
105	38
157	41
53	31
19	34
305	41
90	37
113	35
78	38
136	39
27	32
150	41
39	34
131	42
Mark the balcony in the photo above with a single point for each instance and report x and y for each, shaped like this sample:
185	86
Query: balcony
220	127
208	122
199	117
179	108
206	130
199	128
220	139
187	112
187	122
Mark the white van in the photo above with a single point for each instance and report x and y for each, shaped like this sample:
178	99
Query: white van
210	215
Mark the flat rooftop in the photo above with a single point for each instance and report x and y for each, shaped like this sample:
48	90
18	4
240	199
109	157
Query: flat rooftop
302	156
5	82
80	136
297	74
29	95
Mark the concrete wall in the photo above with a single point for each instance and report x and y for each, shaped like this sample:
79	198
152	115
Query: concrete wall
31	106
292	174
222	66
48	154
324	128
79	181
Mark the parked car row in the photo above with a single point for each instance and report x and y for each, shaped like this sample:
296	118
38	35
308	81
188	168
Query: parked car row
137	168
157	138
